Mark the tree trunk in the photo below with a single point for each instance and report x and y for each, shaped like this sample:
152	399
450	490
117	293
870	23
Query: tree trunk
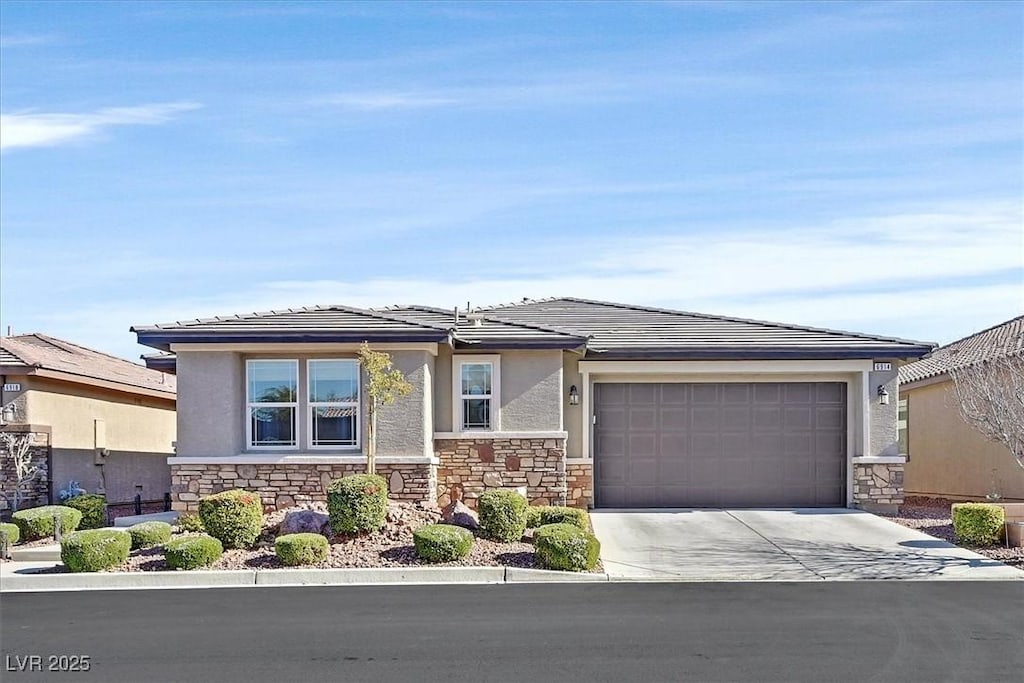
371	444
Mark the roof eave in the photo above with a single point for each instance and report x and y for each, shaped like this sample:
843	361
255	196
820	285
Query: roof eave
757	353
546	344
162	339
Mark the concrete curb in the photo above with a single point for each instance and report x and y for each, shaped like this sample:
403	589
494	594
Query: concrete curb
15	579
42	553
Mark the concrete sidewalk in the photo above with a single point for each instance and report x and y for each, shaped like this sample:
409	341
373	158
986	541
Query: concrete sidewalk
809	544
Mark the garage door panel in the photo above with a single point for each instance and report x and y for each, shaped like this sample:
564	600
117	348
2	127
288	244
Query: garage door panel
720	444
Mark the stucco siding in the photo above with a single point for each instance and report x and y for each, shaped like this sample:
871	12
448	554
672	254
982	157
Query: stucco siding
883	417
443	390
211	403
948	457
122	472
401	426
531	391
573	420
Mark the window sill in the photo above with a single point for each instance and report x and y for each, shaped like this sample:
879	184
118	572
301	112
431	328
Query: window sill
299	459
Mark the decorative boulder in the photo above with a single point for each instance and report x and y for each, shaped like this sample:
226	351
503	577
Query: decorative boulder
459	514
304	522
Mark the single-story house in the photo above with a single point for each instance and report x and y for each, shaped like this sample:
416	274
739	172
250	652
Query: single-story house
946	457
103	421
585	403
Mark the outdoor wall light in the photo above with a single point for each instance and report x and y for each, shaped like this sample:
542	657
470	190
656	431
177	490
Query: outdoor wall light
574	396
883	395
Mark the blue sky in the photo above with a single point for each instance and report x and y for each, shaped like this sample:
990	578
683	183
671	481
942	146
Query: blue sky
853	165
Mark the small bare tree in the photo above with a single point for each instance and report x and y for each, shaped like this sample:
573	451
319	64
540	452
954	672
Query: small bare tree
990	395
17	446
384	384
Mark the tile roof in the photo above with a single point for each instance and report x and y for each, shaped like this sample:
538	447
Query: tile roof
480	330
1004	339
622	330
40	351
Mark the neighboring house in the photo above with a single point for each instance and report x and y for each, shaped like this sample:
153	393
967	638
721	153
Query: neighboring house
103	421
584	403
946	456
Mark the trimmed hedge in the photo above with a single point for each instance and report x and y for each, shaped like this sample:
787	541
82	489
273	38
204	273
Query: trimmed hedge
502	515
357	503
93	507
978	523
94	550
190	522
192	552
566	547
36	523
442	542
234	517
149	534
11	532
539	515
298	549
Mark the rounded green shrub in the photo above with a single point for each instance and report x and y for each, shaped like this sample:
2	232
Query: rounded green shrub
978	523
442	542
234	517
566	547
190	522
298	549
93	507
94	550
539	515
192	552
10	532
502	515
36	523
149	534
357	503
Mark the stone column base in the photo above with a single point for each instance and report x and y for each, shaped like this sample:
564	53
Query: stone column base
878	487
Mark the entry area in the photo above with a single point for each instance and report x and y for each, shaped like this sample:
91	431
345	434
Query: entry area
720	445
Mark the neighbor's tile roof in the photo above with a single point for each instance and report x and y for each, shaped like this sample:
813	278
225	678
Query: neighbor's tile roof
621	330
32	351
1005	339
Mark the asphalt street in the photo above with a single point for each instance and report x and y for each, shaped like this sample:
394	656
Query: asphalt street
863	631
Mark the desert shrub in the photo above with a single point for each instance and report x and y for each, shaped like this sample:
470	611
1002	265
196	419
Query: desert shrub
36	523
94	550
357	503
566	547
234	517
10	532
149	534
297	549
978	523
442	542
502	515
190	522
539	515
192	552
93	507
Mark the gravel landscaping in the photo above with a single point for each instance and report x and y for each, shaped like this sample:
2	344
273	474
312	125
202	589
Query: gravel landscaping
391	547
932	516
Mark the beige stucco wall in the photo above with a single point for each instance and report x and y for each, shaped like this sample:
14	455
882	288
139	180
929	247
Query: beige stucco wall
212	410
884	436
949	458
573	420
137	431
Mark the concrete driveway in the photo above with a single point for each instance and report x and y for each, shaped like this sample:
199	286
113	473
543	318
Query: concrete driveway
809	544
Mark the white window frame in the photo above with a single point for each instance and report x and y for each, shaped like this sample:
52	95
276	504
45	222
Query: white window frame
310	406
457	397
249	405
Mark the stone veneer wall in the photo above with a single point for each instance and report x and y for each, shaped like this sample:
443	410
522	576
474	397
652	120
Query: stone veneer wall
878	486
472	466
282	486
37	493
579	480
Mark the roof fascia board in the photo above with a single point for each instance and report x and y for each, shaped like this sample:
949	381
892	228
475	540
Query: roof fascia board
597	367
163	339
297	347
925	382
518	344
169	395
762	353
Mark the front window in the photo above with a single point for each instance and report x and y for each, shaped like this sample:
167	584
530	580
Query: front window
333	403
271	394
476	380
903	425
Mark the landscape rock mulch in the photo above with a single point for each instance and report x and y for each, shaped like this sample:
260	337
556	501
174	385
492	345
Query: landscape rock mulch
933	516
391	547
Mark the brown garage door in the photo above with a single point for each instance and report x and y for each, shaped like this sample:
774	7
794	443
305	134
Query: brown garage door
756	444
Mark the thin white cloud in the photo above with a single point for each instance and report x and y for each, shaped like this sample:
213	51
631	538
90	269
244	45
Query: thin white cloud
49	130
26	40
374	101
